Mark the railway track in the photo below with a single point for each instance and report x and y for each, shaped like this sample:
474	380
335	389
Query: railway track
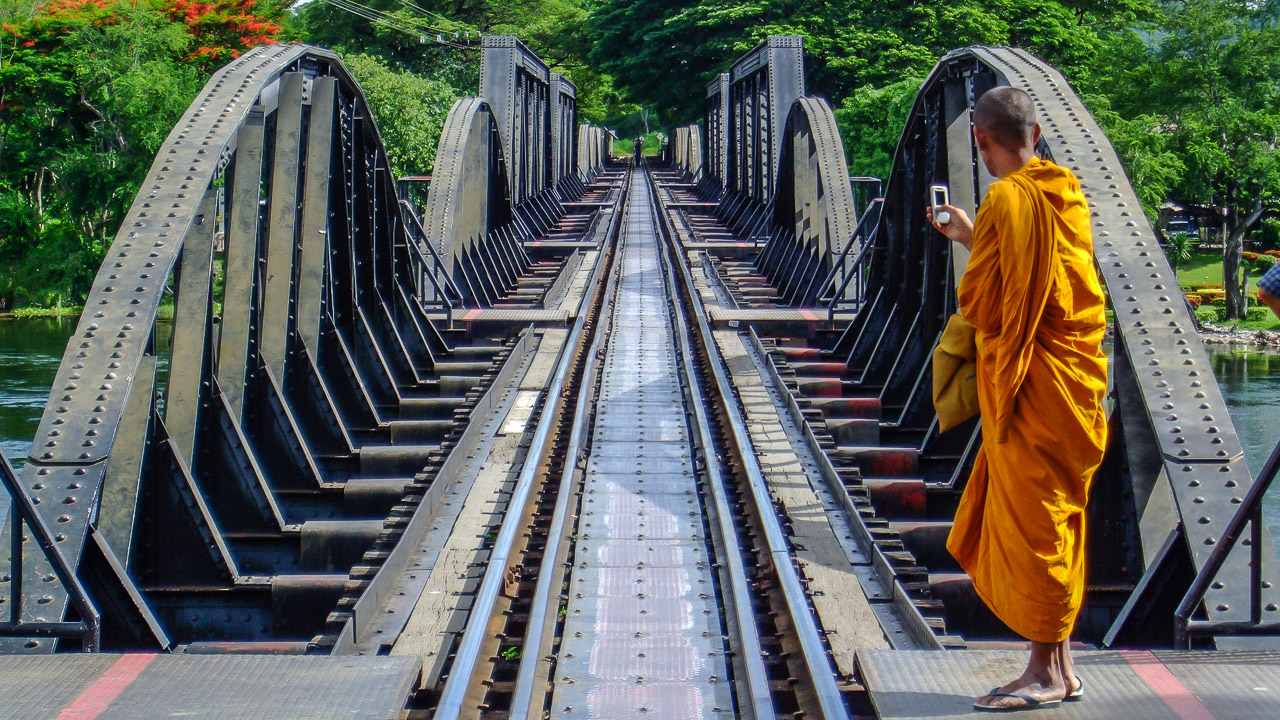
660	588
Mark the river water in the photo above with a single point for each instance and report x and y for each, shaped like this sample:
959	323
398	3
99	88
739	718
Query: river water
31	349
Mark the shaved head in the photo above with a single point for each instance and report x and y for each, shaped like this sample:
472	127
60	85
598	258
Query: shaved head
1007	116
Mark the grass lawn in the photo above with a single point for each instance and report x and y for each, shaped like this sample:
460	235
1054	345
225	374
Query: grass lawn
1201	269
1206	269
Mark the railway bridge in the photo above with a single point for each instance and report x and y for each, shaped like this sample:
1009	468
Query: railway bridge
577	437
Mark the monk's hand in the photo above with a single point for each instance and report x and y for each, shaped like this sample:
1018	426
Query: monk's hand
959	228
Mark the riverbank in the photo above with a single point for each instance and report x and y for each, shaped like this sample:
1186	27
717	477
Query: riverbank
1239	336
38	312
165	313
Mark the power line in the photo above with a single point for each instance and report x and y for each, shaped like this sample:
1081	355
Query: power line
407	26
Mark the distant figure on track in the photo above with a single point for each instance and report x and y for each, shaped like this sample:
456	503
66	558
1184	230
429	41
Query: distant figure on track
1032	292
638	148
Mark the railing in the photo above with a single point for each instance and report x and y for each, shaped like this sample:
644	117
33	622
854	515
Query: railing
858	268
23	510
432	266
1250	512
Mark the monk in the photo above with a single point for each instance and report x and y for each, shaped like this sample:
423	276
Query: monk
1031	291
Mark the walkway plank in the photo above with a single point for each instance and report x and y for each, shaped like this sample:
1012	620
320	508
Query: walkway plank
1133	685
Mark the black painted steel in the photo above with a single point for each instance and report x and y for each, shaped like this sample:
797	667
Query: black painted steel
1175	464
1174	471
22	515
197	476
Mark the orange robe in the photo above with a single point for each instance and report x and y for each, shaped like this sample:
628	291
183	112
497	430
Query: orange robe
1032	293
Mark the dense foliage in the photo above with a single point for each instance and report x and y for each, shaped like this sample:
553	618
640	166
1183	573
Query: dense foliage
89	89
1188	91
1192	101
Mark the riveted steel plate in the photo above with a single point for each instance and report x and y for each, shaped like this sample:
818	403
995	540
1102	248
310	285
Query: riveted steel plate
1184	403
627	581
621	503
630	434
626	616
930	684
633	449
1243	685
659	527
643	483
643	609
617	701
639	660
649	553
676	463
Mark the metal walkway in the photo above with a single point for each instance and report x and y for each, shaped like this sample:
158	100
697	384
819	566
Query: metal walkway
1135	685
203	687
643	636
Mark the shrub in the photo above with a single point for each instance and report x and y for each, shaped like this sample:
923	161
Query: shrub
1258	312
1207	314
1193	300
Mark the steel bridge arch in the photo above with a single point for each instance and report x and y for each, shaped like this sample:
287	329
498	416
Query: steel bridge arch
312	349
1175	465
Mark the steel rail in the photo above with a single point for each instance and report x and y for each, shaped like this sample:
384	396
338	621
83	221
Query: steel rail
757	682
858	262
522	697
89	629
1250	513
815	655
414	225
455	689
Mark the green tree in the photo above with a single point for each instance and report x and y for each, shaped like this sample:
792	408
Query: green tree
662	53
1179	248
1204	84
871	121
410	111
89	89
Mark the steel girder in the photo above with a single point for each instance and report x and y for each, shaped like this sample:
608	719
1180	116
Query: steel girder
775	161
747	109
508	161
717	126
813	211
685	146
593	151
564	132
299	360
1175	469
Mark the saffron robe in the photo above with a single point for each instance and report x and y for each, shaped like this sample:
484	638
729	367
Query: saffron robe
1031	291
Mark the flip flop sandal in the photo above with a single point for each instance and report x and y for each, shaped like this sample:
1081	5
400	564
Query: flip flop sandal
1031	703
1078	693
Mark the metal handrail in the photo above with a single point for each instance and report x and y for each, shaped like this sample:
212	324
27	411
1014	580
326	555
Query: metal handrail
1250	512
410	218
857	262
89	629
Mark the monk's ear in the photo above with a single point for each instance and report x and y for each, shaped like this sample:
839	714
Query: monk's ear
1035	136
981	139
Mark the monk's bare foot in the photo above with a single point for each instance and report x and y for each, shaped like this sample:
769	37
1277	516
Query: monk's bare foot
1042	690
1043	681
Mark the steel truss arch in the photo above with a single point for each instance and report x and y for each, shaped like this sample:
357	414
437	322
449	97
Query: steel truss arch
468	204
275	389
686	149
593	151
1173	441
813	210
